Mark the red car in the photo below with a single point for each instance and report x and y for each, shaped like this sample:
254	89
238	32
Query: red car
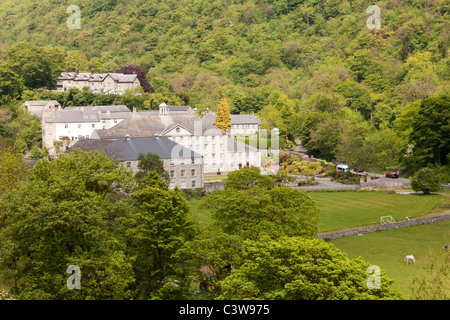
392	175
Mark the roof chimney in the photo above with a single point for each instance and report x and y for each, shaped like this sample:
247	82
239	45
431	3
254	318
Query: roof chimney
163	109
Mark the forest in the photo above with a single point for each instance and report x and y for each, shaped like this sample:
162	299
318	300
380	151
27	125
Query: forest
312	68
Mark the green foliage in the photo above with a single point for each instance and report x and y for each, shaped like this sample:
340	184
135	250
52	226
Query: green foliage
157	227
431	131
294	268
426	180
247	177
64	214
223	120
11	169
148	163
254	212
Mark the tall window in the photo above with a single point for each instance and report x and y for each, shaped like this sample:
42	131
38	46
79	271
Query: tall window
183	173
193	184
172	173
193	172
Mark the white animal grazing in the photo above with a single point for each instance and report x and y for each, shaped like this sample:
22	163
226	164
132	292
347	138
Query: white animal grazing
410	258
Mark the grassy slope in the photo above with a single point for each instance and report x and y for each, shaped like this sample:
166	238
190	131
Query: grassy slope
387	249
342	210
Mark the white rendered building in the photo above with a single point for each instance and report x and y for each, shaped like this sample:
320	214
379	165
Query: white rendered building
221	153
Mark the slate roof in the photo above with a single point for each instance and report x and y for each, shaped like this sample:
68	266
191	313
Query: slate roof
145	124
235	119
97	77
128	149
74	116
41	102
89	114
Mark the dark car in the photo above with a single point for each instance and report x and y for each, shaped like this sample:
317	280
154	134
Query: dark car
392	175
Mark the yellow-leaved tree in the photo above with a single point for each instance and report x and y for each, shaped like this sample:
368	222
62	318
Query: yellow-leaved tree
223	120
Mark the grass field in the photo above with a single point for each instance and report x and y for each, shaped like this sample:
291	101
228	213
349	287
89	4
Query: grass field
387	249
343	210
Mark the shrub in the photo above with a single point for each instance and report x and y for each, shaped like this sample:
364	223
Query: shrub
426	180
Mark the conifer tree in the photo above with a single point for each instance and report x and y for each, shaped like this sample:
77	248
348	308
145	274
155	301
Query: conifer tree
223	120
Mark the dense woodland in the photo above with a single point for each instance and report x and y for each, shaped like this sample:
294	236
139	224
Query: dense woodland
378	99
311	68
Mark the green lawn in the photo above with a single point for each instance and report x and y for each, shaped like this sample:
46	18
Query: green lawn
387	249
342	210
202	216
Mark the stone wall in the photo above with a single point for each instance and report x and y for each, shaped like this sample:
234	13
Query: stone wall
213	186
387	226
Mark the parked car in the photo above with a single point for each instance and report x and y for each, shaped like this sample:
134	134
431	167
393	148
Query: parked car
342	167
358	170
392	175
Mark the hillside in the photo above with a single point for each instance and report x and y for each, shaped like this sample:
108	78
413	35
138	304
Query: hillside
244	48
302	65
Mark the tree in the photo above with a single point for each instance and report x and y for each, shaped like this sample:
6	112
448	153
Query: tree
254	212
11	169
10	83
66	214
426	180
357	97
32	63
434	283
150	162
223	120
247	177
141	75
430	134
156	229
294	268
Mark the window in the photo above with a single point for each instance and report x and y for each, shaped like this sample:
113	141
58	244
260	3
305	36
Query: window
115	120
192	161
79	126
172	185
172	162
172	173
66	126
183	184
93	125
87	136
128	164
193	172
183	173
193	184
103	121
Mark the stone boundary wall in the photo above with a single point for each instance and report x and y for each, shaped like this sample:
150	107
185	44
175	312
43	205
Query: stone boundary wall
211	186
387	226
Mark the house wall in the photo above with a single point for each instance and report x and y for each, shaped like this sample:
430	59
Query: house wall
244	129
175	168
